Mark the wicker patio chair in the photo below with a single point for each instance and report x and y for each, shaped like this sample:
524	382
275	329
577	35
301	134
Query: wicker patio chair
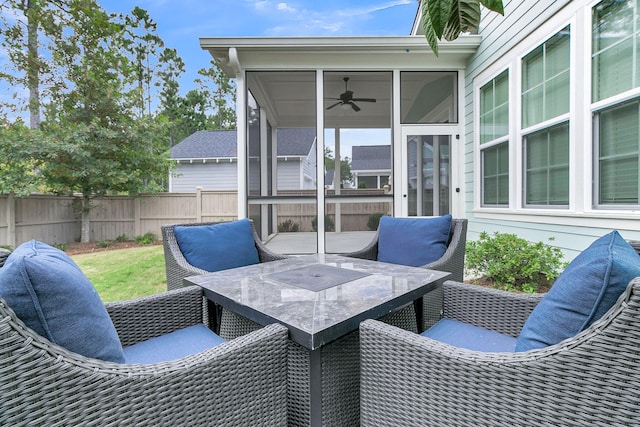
452	261
240	382
178	267
590	379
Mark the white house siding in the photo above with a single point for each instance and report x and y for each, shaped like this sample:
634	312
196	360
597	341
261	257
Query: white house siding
289	174
210	176
526	25
309	169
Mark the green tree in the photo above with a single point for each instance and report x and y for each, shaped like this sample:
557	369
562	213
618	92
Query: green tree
171	103
143	45
219	91
345	166
97	147
21	160
26	26
447	19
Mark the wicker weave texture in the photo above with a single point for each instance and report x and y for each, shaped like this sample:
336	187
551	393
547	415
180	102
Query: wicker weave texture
178	267
452	261
241	382
591	379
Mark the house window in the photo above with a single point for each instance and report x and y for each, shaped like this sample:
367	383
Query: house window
545	122
618	154
547	167
495	175
615	69
615	47
494	140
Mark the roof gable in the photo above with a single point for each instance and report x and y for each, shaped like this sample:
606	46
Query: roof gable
211	144
371	157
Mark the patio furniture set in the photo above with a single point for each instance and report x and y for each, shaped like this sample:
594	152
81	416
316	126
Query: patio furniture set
354	339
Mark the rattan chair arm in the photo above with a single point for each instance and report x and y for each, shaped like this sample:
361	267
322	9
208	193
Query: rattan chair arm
453	258
369	252
494	309
151	316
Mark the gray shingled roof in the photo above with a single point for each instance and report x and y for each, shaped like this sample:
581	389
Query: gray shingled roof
370	157
209	144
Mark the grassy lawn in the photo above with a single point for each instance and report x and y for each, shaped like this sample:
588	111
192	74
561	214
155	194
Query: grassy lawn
125	273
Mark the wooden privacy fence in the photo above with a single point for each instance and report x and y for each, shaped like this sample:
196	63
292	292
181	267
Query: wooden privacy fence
55	219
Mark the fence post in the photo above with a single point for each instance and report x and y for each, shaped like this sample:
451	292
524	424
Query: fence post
11	220
136	217
198	204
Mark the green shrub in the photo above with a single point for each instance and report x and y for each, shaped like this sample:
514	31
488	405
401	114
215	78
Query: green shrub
62	246
122	238
374	221
146	239
512	263
329	225
103	244
288	226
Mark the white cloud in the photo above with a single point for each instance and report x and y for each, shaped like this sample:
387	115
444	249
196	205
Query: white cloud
261	5
285	7
373	8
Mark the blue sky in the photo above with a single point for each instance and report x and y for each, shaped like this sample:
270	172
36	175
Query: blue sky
181	24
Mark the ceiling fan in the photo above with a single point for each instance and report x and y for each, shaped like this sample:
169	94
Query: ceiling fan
346	98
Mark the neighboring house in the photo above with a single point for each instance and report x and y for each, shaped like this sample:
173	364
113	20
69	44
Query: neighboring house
371	165
530	127
208	159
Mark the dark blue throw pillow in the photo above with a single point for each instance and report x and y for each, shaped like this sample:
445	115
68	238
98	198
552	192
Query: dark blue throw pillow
589	286
413	241
218	246
51	295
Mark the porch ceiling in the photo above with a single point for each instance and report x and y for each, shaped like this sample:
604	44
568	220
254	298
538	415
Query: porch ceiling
287	96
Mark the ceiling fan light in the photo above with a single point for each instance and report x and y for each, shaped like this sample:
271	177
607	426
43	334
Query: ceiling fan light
346	106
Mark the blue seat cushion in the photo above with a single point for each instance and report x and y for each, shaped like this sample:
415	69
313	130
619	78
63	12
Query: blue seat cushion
413	241
51	295
464	335
583	293
173	346
218	246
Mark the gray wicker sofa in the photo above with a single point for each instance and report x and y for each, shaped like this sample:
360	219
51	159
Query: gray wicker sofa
241	382
178	267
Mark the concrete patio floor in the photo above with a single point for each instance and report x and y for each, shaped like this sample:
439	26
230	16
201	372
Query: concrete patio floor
305	242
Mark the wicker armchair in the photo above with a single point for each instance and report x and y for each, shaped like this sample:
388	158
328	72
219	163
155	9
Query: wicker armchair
240	382
178	267
4	254
452	260
590	379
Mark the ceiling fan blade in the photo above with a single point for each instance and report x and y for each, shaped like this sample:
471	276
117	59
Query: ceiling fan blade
364	99
334	105
354	106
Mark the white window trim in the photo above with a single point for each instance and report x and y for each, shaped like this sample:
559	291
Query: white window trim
516	132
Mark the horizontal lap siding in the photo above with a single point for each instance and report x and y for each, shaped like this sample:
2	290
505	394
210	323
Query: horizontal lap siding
499	36
209	176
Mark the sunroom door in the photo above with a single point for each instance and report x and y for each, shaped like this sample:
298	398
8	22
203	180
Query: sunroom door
427	170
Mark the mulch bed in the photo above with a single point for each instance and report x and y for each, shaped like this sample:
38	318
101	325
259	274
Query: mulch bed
84	248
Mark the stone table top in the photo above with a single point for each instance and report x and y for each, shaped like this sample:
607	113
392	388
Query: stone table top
319	297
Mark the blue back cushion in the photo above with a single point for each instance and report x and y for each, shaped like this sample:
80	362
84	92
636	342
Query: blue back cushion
587	289
413	241
218	246
464	335
51	295
173	346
